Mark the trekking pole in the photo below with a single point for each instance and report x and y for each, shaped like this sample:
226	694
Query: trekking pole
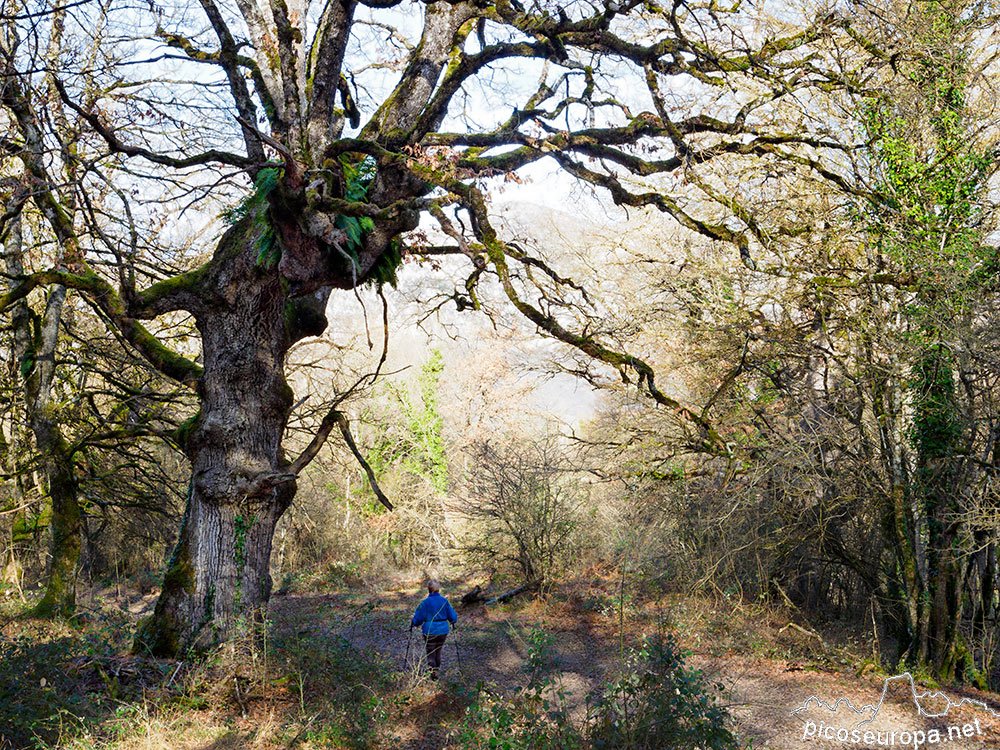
458	651
406	659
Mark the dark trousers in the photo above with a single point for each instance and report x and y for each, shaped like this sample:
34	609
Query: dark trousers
434	645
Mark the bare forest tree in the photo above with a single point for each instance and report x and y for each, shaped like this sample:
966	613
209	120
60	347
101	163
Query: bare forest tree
524	507
858	367
97	418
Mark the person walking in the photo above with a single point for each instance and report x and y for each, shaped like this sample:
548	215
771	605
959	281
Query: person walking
433	615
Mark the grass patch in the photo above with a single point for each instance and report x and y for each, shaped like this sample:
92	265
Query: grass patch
287	685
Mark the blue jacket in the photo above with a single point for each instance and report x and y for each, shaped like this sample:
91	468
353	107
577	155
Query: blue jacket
434	614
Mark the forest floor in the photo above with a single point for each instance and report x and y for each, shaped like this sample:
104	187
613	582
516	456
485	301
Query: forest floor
342	670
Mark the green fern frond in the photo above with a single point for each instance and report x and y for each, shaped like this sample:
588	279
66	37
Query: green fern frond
267	181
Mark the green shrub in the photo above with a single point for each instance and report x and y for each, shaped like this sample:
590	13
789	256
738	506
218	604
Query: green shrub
535	718
659	703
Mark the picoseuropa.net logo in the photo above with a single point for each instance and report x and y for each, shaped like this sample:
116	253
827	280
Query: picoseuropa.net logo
869	726
915	738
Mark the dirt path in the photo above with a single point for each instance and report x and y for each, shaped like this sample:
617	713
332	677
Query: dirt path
767	690
487	646
490	646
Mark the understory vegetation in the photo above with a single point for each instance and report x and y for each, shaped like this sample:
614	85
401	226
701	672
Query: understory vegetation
664	334
333	671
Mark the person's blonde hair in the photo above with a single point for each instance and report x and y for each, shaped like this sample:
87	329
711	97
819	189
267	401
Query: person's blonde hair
433	585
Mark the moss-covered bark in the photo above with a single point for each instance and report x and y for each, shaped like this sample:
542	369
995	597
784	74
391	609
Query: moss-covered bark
218	579
162	633
59	599
36	338
927	164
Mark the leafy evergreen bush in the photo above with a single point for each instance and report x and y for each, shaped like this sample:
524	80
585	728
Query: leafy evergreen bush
658	702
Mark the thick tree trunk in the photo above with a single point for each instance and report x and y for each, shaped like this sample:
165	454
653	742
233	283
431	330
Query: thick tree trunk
984	568
933	549
218	580
65	525
950	657
35	342
933	596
